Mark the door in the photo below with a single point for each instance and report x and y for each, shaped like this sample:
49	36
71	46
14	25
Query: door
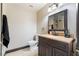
78	28
0	29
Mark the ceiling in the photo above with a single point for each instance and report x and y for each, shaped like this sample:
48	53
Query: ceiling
31	6
35	6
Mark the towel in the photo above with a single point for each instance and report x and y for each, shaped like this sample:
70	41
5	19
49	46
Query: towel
5	31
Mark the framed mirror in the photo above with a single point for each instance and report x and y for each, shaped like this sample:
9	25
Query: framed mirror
58	22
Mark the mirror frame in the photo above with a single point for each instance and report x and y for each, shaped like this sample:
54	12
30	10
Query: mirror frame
65	21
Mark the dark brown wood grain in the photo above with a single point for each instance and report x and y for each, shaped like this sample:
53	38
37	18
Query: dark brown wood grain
48	47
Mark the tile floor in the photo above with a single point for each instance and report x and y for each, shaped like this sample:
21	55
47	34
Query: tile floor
24	52
28	52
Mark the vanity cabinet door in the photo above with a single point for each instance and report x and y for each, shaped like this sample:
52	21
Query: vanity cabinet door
48	50
45	50
58	52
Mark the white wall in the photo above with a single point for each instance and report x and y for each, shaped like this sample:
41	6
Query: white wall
42	21
22	24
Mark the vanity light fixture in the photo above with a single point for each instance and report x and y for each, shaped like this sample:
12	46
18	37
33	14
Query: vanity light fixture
52	6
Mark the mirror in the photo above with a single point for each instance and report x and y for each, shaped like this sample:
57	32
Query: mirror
58	22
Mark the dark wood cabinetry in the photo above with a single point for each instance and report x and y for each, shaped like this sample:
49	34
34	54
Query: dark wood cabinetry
58	52
50	47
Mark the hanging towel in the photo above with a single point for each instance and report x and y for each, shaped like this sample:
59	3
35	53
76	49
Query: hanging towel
5	32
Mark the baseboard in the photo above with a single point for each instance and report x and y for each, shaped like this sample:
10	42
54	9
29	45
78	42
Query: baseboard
12	50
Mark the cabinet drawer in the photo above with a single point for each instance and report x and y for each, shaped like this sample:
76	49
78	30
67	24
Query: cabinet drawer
60	45
58	52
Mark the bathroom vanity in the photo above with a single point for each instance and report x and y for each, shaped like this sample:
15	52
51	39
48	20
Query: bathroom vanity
51	45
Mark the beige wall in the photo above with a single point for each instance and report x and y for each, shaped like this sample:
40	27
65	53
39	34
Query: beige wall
42	21
22	24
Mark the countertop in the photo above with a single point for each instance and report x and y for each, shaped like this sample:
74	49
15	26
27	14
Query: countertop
59	38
